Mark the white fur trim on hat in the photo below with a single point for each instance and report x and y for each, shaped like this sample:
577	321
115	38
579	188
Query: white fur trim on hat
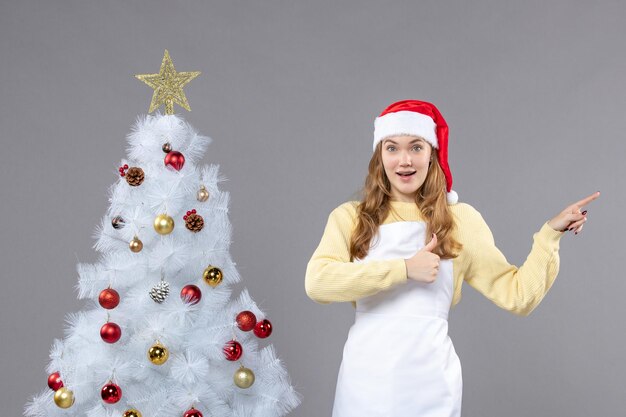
405	123
452	197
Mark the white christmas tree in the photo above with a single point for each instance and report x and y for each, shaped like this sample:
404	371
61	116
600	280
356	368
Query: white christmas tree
161	334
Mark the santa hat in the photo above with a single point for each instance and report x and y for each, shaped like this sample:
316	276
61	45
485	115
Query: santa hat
418	118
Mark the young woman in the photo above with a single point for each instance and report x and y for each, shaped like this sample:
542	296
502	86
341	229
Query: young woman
400	256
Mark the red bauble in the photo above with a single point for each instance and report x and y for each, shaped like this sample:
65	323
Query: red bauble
263	329
54	381
246	320
190	294
109	298
233	350
110	332
111	393
192	413
175	159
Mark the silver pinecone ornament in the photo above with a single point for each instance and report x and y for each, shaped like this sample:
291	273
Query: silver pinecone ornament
159	292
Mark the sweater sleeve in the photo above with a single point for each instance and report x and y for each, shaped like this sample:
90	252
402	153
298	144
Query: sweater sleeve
332	277
518	290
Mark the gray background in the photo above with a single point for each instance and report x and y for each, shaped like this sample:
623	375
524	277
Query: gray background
533	92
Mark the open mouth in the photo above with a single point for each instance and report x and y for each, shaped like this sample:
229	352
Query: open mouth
405	174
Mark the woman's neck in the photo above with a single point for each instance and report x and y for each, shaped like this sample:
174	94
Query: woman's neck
406	210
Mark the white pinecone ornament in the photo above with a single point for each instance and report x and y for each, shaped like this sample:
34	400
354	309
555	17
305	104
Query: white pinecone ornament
159	292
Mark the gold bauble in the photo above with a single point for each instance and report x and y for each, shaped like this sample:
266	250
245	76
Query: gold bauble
244	377
131	413
63	397
212	275
163	224
203	194
158	354
136	245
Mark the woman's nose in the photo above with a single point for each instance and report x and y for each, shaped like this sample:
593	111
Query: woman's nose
405	159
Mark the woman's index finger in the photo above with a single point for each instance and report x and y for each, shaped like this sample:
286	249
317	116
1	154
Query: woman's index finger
588	200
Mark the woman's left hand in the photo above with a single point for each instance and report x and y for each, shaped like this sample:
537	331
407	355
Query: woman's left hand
571	218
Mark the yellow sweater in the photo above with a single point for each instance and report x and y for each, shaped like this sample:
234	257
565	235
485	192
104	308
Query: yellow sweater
331	277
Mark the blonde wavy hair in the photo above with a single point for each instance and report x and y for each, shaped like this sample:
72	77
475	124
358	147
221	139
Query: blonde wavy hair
430	198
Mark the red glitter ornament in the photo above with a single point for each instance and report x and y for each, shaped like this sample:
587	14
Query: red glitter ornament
111	393
263	329
232	350
192	412
246	320
109	298
110	332
175	159
191	294
54	381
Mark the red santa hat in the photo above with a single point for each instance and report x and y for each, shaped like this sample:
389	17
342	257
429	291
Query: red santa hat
418	118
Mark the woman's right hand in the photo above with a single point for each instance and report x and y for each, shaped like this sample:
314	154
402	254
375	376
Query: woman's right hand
424	265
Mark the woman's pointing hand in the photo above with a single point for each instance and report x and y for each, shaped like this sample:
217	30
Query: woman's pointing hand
571	217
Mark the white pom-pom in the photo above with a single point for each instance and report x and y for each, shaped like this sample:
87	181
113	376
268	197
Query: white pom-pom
452	197
189	368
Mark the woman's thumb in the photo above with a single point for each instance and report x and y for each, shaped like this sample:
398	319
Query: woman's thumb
432	244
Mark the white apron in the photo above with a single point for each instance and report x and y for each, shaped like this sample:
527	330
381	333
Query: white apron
398	360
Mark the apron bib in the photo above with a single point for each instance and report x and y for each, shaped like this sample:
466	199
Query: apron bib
398	360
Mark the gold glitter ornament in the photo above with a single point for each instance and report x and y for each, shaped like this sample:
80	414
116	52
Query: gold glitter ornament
168	86
136	245
131	413
163	224
213	276
244	377
158	354
63	397
203	194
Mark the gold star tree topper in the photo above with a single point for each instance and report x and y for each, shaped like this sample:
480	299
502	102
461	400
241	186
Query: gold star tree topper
168	86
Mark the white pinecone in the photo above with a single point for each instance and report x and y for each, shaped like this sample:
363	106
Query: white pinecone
159	292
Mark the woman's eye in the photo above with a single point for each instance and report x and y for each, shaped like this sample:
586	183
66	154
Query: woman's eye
390	148
417	146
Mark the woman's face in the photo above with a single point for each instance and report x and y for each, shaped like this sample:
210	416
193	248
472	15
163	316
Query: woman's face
405	155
